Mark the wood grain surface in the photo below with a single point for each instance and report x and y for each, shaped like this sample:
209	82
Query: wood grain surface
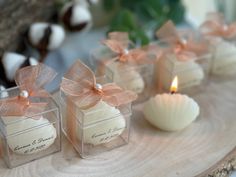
151	152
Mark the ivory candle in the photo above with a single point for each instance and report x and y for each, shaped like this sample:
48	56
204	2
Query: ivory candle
127	78
189	72
102	123
224	58
31	139
171	112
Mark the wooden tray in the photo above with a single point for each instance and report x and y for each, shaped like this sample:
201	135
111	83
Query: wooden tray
205	147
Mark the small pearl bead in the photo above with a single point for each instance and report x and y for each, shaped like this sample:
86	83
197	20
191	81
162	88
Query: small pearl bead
98	86
225	27
126	51
24	94
184	41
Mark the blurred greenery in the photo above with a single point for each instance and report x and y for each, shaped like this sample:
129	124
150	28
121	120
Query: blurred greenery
142	17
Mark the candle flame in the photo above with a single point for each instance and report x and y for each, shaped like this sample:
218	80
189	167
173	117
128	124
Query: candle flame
174	85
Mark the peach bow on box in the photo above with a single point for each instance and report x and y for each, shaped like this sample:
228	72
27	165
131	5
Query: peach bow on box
118	42
79	84
182	43
215	25
31	81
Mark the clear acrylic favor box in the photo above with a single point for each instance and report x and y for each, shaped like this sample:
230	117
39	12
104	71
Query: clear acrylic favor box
223	64
137	78
192	75
96	129
24	139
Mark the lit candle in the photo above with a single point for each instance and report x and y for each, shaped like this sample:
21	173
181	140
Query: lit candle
171	112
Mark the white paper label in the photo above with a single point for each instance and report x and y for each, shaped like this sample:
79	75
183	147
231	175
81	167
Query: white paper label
108	135
33	141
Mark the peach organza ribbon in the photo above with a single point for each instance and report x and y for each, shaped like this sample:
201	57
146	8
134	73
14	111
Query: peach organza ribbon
31	81
184	48
79	84
118	42
215	25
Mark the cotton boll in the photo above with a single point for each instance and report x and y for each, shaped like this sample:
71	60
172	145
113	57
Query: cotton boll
86	3
76	17
10	63
33	62
3	92
46	36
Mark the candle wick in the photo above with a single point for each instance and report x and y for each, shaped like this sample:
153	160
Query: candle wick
172	92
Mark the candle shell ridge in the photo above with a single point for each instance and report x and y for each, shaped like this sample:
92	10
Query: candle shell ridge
171	112
190	73
127	78
224	60
102	124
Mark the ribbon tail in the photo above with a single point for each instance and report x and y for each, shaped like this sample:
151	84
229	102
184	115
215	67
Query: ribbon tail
13	106
87	100
186	56
114	46
35	108
115	96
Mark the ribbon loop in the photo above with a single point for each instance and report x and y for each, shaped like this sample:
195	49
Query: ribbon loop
215	25
31	81
118	42
79	84
182	43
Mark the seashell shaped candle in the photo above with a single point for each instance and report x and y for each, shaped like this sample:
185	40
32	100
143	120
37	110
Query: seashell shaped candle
190	73
102	132
132	81
224	60
33	142
171	112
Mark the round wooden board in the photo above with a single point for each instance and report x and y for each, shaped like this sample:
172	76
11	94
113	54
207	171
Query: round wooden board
152	152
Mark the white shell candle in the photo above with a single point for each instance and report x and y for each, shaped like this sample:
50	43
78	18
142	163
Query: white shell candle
29	143
171	112
224	57
10	63
189	72
131	81
104	131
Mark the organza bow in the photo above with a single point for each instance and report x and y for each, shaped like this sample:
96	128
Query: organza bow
215	25
31	81
118	42
181	43
79	84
